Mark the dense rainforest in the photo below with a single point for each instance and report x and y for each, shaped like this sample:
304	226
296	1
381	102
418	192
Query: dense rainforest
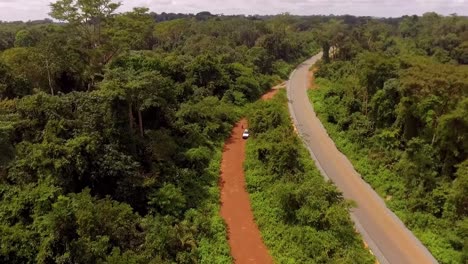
394	97
112	124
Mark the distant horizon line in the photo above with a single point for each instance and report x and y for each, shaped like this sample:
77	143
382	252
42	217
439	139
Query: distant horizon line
254	15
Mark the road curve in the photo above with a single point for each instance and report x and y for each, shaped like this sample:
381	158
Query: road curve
387	237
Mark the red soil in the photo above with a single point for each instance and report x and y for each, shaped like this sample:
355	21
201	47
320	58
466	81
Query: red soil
311	79
270	94
243	234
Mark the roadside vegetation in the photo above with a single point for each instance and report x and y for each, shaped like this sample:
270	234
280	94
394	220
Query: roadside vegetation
394	97
111	129
302	217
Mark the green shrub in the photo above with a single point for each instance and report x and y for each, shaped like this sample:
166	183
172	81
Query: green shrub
302	218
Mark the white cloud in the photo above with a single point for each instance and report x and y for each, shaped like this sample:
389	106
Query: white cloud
38	9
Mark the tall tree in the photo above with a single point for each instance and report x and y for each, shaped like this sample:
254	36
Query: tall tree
328	36
90	20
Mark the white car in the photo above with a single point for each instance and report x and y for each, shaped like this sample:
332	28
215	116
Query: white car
245	135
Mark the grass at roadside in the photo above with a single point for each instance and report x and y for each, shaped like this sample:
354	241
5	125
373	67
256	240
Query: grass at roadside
302	218
214	248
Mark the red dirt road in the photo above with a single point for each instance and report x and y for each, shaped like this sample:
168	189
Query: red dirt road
244	237
270	94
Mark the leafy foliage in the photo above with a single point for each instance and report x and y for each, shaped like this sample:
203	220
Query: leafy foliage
400	115
110	130
302	218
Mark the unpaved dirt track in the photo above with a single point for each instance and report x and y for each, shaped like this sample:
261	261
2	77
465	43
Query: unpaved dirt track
244	237
386	235
270	94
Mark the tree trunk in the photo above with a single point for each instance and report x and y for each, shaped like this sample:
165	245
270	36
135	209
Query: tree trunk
140	123
49	77
326	52
130	117
366	99
434	128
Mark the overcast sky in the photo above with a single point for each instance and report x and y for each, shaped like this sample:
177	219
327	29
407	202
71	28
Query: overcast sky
38	9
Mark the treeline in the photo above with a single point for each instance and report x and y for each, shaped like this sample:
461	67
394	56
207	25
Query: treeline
395	99
302	217
111	128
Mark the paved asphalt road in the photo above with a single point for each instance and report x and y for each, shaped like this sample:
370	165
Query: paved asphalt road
387	237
